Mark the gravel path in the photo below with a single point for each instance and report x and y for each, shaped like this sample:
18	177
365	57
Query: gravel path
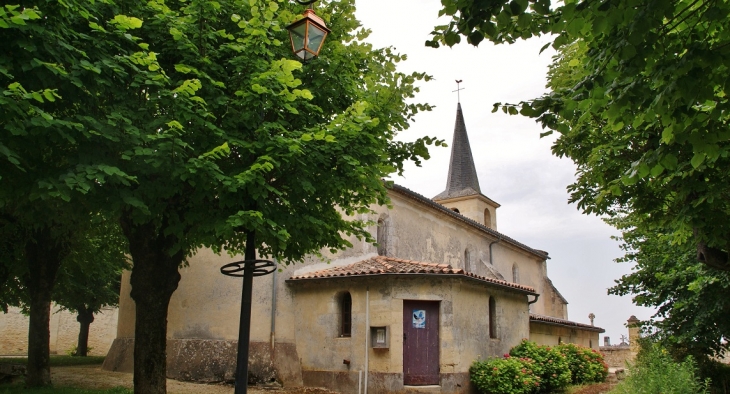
93	377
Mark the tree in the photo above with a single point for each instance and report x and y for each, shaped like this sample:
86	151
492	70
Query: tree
253	152
90	277
49	103
693	310
646	120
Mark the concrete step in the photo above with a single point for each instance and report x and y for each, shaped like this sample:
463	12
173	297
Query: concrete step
423	389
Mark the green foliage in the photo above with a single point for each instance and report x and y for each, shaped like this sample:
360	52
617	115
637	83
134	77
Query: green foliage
656	372
643	111
586	365
690	298
549	364
508	375
533	368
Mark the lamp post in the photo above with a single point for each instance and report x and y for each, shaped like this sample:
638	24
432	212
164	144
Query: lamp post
307	34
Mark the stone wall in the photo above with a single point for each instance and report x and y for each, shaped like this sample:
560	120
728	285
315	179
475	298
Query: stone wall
617	356
64	330
552	335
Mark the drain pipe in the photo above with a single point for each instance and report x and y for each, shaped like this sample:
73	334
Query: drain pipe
491	259
367	329
359	381
273	309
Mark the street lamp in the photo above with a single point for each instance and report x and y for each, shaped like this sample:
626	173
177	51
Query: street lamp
307	34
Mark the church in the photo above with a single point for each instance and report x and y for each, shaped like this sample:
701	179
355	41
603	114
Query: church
441	289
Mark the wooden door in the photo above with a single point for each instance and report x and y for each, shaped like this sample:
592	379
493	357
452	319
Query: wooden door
420	343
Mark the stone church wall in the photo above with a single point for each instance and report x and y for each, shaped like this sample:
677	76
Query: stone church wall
463	336
64	330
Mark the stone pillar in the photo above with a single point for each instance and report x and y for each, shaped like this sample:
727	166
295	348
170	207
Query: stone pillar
633	325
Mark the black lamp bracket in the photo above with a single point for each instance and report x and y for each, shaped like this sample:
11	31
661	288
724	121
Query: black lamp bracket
259	268
306	2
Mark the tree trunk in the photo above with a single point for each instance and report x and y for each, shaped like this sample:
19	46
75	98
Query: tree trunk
154	278
85	318
43	257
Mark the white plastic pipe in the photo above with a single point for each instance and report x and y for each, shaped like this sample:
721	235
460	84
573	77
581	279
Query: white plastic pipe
359	381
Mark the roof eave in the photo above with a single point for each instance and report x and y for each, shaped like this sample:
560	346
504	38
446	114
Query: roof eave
429	275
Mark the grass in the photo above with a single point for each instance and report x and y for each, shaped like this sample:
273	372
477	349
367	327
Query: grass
57	361
18	388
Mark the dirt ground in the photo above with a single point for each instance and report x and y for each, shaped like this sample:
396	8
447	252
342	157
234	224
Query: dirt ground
93	377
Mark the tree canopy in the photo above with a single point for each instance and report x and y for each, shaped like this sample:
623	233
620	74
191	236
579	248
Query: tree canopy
693	309
645	115
191	124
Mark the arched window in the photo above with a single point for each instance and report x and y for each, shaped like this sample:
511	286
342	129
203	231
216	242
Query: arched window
492	318
345	315
487	218
515	274
455	210
382	237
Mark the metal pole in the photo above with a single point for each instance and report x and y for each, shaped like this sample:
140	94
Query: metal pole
244	330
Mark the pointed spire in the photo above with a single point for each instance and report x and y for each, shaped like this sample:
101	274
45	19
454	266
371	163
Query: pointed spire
462	180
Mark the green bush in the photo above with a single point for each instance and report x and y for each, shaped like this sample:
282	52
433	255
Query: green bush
586	365
656	372
508	375
549	364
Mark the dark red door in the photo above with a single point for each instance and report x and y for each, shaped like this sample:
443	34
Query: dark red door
420	343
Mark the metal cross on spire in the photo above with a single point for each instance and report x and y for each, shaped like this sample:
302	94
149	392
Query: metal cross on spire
458	89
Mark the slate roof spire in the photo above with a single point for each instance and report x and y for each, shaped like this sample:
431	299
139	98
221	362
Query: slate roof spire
462	180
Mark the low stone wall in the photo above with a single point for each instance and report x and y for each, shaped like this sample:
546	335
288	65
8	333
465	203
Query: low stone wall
64	330
210	360
617	356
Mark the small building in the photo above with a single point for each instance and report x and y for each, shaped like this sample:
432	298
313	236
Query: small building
441	289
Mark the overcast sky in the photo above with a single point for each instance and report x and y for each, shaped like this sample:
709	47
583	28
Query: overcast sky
515	166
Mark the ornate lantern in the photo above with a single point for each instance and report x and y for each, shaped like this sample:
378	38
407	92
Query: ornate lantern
307	35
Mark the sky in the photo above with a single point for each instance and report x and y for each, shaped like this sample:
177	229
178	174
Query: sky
515	166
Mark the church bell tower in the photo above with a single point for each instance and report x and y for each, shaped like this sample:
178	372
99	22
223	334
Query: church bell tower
462	193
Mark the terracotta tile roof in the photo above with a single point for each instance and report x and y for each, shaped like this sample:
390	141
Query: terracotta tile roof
382	265
497	235
563	322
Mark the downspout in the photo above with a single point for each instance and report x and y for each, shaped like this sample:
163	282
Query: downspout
273	310
491	259
533	301
367	329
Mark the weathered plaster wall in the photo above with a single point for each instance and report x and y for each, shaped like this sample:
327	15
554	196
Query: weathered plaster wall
553	303
463	335
206	305
548	334
64	331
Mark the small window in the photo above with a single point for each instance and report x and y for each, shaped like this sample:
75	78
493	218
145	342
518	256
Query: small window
492	318
487	218
515	274
560	340
345	315
590	343
467	261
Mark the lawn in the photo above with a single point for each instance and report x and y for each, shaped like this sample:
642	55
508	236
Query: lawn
18	388
57	361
